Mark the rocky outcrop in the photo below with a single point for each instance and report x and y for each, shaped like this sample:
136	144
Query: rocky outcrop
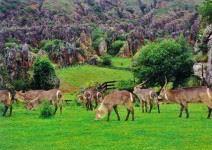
102	50
86	43
125	51
200	70
208	39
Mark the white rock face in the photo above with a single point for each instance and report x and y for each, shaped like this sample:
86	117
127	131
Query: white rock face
200	69
102	47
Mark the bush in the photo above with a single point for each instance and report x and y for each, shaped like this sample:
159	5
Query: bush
20	85
115	47
106	60
97	36
47	110
44	76
11	45
200	57
51	45
168	58
126	85
192	81
206	10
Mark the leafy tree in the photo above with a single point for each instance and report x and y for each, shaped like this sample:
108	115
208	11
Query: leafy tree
44	76
168	58
115	47
97	36
106	60
206	10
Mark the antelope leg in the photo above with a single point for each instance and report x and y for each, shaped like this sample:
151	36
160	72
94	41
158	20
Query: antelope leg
96	104
11	109
146	106
5	110
133	118
55	109
181	110
108	115
150	107
187	113
142	106
128	113
158	108
209	112
117	113
61	109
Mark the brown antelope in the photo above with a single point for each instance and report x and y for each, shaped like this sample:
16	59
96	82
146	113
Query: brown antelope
54	96
6	99
183	96
90	96
114	99
27	96
147	98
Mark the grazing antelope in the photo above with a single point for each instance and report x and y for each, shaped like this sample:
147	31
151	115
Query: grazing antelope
54	96
183	96
147	98
6	99
27	96
112	100
90	96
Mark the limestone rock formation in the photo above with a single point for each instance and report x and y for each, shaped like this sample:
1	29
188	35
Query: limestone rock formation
102	48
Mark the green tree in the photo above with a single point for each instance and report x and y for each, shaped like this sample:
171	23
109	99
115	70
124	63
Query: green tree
44	76
206	10
168	58
97	36
115	47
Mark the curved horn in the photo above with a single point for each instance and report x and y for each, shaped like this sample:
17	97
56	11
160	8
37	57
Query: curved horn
141	84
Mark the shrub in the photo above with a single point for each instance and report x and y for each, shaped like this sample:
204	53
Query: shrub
97	36
115	47
11	45
44	76
126	85
51	45
206	10
168	58
47	110
21	85
192	81
200	57
106	60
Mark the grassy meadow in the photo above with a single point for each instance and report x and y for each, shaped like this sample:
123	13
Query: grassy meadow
77	129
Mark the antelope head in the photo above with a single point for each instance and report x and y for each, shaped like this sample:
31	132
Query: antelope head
140	86
101	112
19	95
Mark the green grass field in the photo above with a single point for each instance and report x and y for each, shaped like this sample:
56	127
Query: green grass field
73	78
77	129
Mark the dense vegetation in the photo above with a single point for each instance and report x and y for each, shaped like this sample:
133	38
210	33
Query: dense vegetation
44	76
164	59
206	10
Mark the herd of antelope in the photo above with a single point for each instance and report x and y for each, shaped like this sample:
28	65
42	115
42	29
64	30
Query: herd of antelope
109	102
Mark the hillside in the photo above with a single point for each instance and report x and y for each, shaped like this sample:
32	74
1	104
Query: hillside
77	32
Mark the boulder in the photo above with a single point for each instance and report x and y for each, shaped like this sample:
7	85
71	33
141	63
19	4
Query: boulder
102	48
200	69
125	51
